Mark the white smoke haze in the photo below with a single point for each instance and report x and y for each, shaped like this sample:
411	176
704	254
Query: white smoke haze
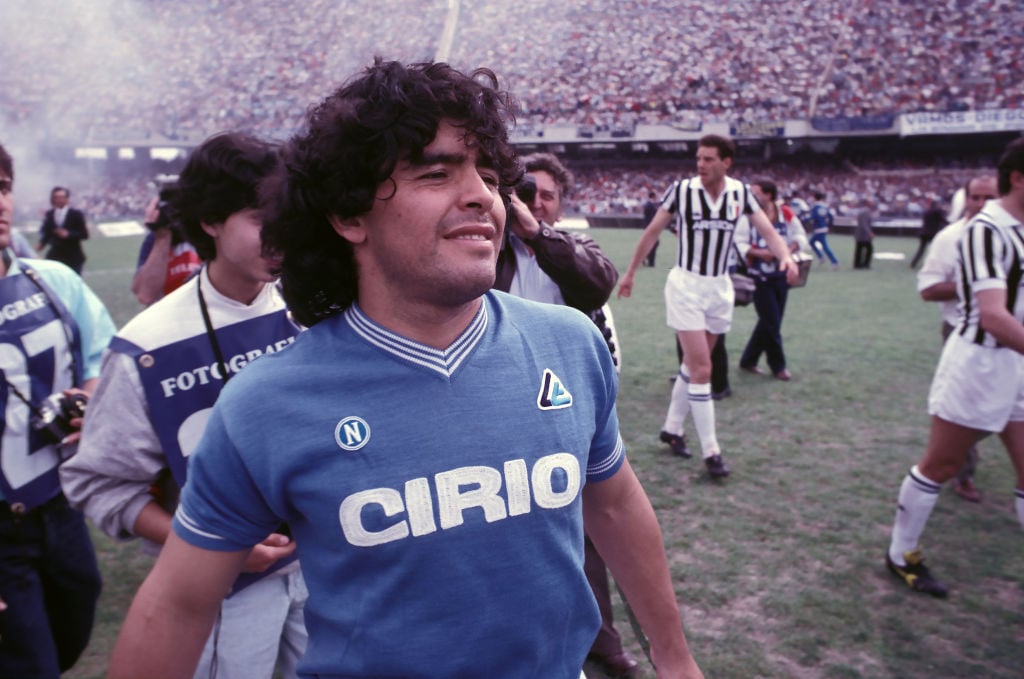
146	73
141	73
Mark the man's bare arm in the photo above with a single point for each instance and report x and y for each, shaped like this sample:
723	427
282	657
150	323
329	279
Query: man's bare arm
650	235
940	292
997	320
621	523
173	612
148	281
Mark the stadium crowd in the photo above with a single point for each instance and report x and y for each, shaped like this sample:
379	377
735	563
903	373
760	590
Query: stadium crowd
187	69
620	189
147	70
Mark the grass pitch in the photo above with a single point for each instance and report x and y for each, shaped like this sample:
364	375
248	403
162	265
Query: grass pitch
779	569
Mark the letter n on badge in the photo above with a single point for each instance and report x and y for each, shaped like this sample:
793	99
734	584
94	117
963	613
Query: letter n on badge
553	394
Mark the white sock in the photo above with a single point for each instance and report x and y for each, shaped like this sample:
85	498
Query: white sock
1020	504
679	406
703	409
917	498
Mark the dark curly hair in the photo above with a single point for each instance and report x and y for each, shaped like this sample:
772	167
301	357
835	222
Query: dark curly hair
351	144
6	163
222	177
726	147
549	162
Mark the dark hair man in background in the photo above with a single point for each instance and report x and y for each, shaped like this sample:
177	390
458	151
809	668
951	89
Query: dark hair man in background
544	264
54	335
166	258
698	293
933	221
650	209
63	230
819	220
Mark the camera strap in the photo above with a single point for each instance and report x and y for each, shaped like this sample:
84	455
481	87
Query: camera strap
210	334
32	408
31	274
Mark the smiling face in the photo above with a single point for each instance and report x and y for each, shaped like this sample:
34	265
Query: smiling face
433	234
547	203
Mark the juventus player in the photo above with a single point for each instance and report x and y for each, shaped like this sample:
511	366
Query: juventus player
979	383
698	293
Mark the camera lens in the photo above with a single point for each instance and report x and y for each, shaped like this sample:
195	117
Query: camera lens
527	189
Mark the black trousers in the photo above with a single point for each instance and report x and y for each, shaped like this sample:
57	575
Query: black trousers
862	254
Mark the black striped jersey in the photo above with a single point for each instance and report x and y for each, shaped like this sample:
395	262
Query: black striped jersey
706	228
990	255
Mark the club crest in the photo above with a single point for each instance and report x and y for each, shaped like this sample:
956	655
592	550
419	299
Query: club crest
352	433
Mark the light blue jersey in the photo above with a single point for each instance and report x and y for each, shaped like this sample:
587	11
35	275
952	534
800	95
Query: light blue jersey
435	496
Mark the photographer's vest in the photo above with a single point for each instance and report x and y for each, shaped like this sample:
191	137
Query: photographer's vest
763	269
40	355
183	379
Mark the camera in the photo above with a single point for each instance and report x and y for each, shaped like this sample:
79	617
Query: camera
527	189
53	416
167	216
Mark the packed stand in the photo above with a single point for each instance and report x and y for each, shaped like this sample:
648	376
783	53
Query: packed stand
184	70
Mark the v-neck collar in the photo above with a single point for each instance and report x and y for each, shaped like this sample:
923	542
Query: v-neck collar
445	362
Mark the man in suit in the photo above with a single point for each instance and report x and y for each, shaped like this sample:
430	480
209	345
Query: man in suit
63	230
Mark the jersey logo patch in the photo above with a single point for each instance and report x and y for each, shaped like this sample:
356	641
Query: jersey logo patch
352	433
553	394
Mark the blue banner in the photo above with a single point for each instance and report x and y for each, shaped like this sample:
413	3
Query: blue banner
854	124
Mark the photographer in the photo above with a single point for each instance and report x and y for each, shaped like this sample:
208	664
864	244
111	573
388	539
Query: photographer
160	379
166	258
53	331
543	264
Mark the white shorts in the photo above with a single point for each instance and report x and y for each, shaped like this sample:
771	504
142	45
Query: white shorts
978	387
695	302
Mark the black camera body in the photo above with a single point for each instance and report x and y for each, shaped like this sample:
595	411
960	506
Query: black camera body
167	217
53	416
527	190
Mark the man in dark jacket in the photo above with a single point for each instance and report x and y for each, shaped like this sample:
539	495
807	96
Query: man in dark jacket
933	221
544	264
63	230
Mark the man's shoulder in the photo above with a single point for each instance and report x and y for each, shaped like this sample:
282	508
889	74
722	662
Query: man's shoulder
173	317
952	232
538	315
55	274
732	183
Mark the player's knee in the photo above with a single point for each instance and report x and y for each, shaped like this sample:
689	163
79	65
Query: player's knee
940	466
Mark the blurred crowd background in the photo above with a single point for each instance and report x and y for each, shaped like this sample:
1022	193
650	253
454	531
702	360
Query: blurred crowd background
149	70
